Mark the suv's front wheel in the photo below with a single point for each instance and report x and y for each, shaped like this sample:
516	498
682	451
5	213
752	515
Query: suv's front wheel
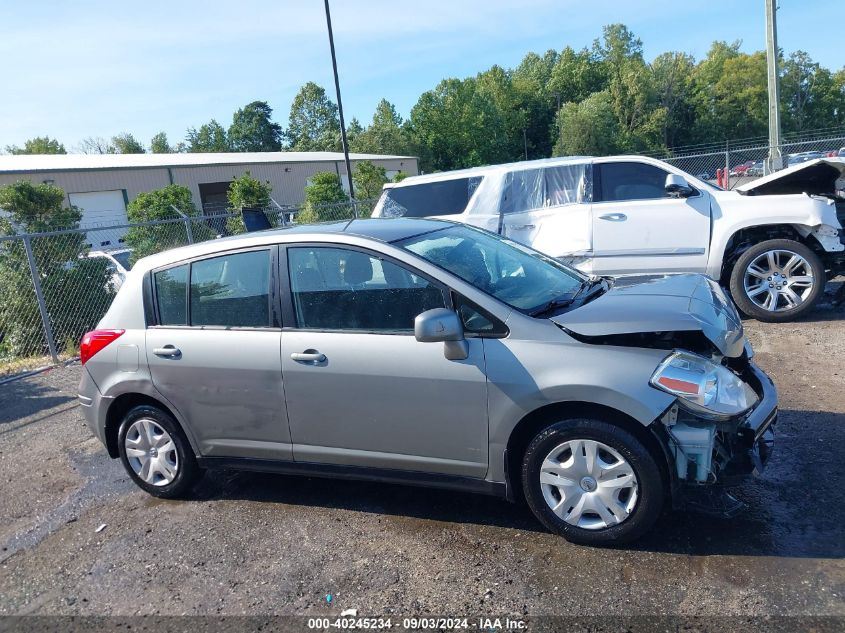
592	482
777	280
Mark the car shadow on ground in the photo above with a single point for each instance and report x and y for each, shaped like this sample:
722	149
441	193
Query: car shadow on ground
786	515
26	397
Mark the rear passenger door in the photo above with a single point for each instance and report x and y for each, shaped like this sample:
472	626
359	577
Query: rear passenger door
360	389
214	348
548	209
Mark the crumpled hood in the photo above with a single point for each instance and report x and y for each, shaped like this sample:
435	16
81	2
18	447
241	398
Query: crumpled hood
661	303
817	177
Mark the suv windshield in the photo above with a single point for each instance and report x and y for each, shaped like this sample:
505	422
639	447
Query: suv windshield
519	276
443	197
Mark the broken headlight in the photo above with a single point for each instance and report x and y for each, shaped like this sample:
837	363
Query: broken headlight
703	386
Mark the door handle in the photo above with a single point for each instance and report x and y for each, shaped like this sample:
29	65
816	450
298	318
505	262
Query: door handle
519	227
614	217
308	356
168	351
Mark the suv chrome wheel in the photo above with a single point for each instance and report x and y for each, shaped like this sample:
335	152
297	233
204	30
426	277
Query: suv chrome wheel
151	452
588	484
778	280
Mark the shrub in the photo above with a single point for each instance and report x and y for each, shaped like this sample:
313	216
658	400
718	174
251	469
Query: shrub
246	191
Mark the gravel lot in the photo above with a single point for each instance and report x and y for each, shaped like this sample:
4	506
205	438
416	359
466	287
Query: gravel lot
266	544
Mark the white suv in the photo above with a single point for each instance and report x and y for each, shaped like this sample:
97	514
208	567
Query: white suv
774	241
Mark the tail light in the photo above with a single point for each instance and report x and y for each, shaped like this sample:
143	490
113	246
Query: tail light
96	340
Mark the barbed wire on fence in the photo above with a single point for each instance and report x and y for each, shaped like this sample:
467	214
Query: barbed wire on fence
56	285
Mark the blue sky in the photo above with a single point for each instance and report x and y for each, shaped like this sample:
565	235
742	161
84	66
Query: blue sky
97	68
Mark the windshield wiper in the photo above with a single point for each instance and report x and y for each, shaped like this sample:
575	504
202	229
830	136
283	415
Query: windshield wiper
556	304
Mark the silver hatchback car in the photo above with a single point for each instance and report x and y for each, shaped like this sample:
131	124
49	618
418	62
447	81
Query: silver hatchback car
429	353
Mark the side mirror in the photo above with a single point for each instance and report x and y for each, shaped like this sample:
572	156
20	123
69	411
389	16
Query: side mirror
442	325
677	185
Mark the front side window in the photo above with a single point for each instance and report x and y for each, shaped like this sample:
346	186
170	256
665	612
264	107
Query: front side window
632	181
342	289
517	275
232	290
443	197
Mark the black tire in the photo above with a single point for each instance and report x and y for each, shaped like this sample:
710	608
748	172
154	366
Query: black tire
188	471
650	484
751	309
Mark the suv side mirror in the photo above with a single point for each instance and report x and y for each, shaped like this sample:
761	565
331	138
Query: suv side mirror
442	325
677	185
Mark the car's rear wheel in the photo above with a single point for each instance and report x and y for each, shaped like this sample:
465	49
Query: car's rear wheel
592	482
777	280
156	453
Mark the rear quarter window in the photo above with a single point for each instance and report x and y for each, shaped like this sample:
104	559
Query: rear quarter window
443	197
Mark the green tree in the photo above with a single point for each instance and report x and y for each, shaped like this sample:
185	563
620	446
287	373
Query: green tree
246	191
368	179
455	125
159	205
673	72
210	137
810	96
75	289
313	125
38	145
253	129
160	145
399	176
323	197
385	135
576	75
588	128
125	143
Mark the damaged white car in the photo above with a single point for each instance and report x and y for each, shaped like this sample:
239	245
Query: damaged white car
773	242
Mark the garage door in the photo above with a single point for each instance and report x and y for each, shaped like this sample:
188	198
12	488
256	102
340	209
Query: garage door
101	208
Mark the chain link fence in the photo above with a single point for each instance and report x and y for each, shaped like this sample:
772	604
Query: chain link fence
741	162
57	285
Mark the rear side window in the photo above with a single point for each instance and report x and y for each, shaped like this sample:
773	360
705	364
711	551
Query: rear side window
545	187
632	181
232	291
171	292
445	197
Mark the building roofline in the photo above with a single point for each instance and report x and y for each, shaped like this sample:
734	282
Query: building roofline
38	163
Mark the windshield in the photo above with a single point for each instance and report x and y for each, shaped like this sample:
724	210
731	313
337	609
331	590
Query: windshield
442	197
123	259
519	276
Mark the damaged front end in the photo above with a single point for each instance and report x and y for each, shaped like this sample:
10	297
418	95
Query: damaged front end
708	451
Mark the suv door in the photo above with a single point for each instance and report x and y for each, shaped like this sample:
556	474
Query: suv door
637	227
213	352
360	389
547	208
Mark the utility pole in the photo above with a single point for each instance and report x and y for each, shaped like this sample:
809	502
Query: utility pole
775	160
343	139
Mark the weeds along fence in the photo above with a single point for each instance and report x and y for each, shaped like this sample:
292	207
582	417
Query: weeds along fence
57	285
739	162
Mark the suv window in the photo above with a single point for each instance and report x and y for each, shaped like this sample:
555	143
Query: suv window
632	181
544	187
341	289
444	197
171	291
232	290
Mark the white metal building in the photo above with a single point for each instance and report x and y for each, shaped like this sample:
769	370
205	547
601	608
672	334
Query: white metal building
101	185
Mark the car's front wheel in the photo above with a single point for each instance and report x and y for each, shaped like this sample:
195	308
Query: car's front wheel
592	482
156	453
777	280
